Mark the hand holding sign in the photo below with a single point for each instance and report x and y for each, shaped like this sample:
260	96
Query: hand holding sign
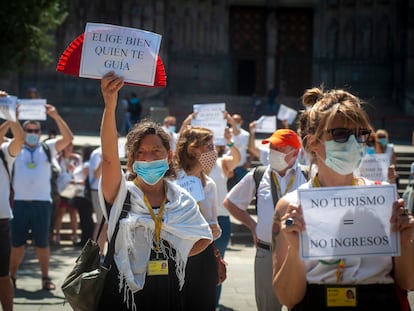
131	53
8	107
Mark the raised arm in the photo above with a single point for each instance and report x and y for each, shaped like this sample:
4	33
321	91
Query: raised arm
111	166
230	162
18	138
67	135
252	146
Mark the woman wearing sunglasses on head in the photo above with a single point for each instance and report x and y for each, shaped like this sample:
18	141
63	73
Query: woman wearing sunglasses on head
334	130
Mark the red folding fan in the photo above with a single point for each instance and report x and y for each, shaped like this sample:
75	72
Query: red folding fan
69	63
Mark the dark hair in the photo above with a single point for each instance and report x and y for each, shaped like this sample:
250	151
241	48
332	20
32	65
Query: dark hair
86	152
144	128
191	137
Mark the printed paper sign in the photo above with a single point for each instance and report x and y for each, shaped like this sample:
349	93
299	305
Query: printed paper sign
193	185
129	52
266	124
211	116
348	221
32	109
8	108
286	113
374	166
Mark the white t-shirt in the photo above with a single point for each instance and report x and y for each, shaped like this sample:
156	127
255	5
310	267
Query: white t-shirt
241	141
242	193
221	184
358	270
94	160
32	173
5	210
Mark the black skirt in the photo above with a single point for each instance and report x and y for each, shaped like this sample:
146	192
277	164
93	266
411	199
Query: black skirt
160	292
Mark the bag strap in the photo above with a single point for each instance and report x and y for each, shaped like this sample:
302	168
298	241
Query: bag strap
47	151
257	176
3	159
111	246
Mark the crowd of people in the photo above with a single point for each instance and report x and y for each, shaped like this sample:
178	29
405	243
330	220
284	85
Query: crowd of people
165	248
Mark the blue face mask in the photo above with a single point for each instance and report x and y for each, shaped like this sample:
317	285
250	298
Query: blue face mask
369	150
171	128
344	158
151	172
31	139
382	141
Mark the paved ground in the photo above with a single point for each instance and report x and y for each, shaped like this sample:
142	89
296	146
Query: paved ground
237	292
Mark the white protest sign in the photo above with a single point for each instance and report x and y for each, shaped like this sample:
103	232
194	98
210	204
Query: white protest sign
348	221
374	166
8	107
211	116
266	124
129	52
286	113
193	185
32	109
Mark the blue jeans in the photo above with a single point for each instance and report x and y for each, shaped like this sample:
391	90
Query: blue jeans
222	242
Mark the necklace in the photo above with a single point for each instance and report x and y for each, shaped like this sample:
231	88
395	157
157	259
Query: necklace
156	218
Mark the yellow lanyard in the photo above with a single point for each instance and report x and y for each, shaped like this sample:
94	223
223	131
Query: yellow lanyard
156	218
339	262
289	185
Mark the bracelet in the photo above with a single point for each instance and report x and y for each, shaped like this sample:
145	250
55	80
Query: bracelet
230	144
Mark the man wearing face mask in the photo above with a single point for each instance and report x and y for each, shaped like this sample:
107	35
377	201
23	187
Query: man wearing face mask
282	175
32	198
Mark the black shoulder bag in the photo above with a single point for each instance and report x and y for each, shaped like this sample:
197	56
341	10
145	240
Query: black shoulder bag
83	286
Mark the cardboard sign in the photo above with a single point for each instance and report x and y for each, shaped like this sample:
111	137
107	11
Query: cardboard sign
129	52
32	109
348	221
266	124
193	185
211	116
8	108
286	113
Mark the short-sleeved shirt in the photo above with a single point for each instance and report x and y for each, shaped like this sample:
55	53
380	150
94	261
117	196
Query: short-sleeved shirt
94	160
242	193
5	211
32	172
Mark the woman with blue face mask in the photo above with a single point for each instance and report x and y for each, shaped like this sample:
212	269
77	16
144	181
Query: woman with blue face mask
164	226
334	130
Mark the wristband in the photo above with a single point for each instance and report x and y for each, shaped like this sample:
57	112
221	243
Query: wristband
230	144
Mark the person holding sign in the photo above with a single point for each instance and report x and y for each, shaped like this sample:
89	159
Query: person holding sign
194	158
268	184
334	129
9	149
32	198
164	226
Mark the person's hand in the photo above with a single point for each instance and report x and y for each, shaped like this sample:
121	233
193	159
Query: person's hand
227	134
110	85
252	127
51	111
392	174
291	224
403	221
215	230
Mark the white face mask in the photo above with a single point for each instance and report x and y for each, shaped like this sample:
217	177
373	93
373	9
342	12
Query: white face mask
277	160
344	158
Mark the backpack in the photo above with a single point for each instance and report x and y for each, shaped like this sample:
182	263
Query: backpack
55	172
11	197
134	106
258	175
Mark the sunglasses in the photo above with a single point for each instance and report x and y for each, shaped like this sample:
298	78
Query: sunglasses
32	131
341	135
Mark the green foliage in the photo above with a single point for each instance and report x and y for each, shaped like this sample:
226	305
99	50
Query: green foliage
28	31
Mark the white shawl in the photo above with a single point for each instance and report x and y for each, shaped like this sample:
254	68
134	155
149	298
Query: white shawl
182	226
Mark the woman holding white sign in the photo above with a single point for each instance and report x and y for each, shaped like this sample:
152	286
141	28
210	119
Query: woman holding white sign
334	130
163	227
